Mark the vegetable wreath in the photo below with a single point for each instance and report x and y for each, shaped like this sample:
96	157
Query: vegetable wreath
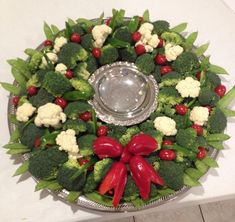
70	148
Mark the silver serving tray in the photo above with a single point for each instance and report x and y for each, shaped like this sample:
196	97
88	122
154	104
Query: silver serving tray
84	202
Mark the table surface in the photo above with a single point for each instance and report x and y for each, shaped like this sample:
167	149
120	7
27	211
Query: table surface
21	27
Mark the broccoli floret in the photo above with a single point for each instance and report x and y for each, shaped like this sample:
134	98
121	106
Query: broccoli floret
172	37
157	74
217	121
90	184
56	84
71	53
41	98
167	110
73	109
82	86
44	164
186	64
208	97
187	138
87	42
157	135
172	173
146	126
171	79
41	74
202	141
131	191
29	134
130	132
212	80
101	168
85	144
78	29
145	63
152	158
78	126
109	54
116	131
91	64
123	34
161	26
128	54
66	171
182	122
35	60
81	71
170	96
179	157
33	81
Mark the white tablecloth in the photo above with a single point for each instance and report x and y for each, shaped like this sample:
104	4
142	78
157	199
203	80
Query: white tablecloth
21	27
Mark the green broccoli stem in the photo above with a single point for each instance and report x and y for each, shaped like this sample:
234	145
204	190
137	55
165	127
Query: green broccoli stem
92	161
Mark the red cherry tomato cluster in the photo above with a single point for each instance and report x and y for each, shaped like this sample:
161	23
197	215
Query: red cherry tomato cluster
32	90
160	59
61	102
140	49
165	69
201	153
220	90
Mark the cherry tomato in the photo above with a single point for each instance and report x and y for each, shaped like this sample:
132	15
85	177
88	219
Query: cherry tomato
102	131
160	59
37	142
209	108
85	161
165	69
47	43
167	142
86	116
32	90
136	36
15	100
108	21
69	74
140	19
220	90
201	152
198	76
61	102
75	38
181	109
140	49
167	154
161	43
96	52
198	129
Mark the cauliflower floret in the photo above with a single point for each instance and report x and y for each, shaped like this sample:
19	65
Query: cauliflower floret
51	56
49	114
147	39
172	51
148	48
24	111
154	41
67	141
59	42
188	87
61	68
166	125
146	26
199	115
100	33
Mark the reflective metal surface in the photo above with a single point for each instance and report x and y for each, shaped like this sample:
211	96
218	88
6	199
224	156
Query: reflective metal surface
123	95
